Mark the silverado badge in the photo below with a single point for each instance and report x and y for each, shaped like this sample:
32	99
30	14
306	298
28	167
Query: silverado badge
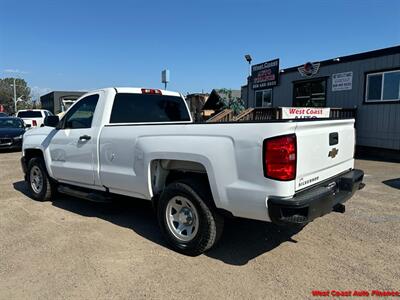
333	152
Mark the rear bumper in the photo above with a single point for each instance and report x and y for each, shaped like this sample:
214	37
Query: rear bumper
322	199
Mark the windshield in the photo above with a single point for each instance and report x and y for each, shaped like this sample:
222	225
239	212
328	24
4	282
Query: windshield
29	114
11	123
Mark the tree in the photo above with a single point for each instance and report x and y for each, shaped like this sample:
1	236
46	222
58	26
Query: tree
230	102
7	94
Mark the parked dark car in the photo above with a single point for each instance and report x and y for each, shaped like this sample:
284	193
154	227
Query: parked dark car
3	114
11	132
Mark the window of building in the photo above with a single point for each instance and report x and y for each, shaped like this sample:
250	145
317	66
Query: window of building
264	98
81	115
310	93
383	86
142	108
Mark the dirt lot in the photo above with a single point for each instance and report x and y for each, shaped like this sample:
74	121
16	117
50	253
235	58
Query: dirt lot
71	248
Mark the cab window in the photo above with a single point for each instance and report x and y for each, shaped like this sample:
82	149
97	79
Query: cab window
81	114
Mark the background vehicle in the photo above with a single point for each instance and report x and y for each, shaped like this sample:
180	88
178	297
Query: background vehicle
59	101
33	117
11	133
142	143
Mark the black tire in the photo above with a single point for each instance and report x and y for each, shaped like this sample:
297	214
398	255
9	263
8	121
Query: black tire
48	189
210	223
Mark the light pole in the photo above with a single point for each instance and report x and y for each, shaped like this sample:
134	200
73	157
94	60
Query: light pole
15	94
15	97
248	59
18	100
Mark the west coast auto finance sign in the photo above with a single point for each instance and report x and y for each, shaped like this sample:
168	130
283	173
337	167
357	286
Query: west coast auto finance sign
265	75
305	112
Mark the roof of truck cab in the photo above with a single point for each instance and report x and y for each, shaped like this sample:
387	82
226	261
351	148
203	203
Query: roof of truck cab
138	90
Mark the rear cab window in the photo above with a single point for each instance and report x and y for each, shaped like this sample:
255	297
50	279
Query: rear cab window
29	114
148	108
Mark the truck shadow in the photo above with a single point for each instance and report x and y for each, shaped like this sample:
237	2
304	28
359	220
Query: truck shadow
394	183
242	240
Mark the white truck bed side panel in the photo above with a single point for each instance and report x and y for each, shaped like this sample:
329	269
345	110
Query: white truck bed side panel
231	154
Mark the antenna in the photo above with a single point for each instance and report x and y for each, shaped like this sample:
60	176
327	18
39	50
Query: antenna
165	77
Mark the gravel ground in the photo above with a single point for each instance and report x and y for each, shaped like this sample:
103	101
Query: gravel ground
71	248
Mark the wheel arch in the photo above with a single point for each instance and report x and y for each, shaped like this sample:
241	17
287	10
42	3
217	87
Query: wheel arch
164	171
30	153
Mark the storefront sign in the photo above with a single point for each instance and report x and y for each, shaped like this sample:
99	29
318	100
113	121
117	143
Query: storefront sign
309	69
265	75
342	81
305	112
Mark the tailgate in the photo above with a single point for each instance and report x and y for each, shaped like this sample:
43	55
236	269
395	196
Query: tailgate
28	122
324	150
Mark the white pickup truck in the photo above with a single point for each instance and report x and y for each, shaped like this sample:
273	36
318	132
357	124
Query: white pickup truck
33	117
142	143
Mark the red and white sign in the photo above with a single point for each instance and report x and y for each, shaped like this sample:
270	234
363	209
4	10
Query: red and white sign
309	69
305	112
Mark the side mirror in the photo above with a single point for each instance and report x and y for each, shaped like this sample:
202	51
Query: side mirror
51	121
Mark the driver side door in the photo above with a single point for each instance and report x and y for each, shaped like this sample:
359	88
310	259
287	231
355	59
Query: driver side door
73	147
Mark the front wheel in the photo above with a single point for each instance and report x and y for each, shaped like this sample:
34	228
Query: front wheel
39	182
187	217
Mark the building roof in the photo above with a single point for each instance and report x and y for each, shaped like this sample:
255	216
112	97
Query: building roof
353	57
65	92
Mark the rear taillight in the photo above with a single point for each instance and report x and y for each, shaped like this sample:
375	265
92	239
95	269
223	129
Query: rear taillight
34	123
280	157
151	91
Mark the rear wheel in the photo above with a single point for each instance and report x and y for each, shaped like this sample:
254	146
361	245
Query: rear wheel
39	183
187	217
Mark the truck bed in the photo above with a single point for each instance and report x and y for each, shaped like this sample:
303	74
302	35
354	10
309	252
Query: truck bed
231	153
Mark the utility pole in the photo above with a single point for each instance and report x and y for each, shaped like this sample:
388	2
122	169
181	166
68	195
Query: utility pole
15	97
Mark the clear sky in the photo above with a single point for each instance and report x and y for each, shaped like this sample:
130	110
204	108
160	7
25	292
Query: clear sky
80	45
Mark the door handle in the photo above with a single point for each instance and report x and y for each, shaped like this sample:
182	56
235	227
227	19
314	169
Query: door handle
84	138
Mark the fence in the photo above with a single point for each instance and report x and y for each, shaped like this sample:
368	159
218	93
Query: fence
272	113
